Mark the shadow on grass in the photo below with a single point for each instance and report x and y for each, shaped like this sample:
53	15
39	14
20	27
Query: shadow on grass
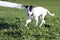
14	33
47	25
4	25
7	26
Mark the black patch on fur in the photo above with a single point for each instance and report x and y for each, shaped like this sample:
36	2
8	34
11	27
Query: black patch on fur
30	7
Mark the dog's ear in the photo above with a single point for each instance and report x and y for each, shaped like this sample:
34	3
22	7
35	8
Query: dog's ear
25	6
31	6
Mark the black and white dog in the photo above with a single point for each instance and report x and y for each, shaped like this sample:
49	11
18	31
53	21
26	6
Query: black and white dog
35	12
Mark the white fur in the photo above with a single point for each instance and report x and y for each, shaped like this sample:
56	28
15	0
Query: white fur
38	12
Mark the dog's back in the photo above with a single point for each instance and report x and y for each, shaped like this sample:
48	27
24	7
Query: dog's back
39	11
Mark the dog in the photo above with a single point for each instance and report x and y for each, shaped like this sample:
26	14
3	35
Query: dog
35	12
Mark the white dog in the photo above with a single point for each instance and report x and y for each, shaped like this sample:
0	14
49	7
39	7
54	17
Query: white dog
35	12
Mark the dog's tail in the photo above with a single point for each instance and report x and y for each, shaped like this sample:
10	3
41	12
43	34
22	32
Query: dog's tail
50	13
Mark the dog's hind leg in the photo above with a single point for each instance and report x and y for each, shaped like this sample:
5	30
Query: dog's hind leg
43	21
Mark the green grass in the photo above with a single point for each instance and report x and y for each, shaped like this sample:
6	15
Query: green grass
12	22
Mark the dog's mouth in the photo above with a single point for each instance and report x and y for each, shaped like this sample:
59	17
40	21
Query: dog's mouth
30	14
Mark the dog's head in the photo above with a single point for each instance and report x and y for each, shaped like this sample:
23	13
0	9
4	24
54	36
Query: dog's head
28	7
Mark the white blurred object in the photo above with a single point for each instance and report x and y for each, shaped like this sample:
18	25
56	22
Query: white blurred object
10	4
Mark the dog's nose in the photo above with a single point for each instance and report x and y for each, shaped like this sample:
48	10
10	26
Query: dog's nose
28	14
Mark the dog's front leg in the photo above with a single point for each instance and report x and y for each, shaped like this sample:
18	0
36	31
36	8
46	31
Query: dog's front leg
28	21
36	19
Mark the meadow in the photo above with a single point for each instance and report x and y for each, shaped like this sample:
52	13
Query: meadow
12	22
